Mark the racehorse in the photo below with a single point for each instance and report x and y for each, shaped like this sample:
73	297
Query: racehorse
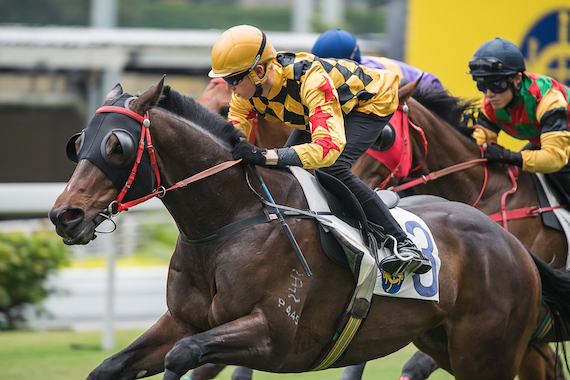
227	295
437	115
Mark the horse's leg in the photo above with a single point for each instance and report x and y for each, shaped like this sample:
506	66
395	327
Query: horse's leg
143	357
246	340
206	372
242	373
419	367
543	365
478	351
353	372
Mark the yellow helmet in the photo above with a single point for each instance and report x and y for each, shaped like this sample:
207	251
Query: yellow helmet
240	49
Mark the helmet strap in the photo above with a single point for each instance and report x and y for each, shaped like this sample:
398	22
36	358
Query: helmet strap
259	81
516	92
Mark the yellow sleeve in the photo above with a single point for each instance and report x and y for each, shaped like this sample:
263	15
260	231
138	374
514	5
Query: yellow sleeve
480	137
552	100
552	156
242	114
326	121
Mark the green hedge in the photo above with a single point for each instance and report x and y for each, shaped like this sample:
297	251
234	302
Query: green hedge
180	15
25	263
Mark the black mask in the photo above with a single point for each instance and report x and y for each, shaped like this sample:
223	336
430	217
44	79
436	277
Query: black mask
128	132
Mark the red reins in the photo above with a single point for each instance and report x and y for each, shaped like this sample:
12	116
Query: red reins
116	206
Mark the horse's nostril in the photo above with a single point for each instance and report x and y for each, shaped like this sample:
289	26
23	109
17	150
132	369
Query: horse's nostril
70	217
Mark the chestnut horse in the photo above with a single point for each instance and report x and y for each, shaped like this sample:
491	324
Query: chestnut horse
438	115
225	294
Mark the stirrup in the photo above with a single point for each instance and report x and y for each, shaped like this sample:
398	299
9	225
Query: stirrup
396	264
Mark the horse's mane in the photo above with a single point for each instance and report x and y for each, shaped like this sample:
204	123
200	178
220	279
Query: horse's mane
453	110
190	109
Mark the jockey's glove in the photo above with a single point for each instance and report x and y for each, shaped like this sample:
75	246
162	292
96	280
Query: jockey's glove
495	153
249	153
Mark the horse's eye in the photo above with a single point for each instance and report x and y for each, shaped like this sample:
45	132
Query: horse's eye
386	139
118	148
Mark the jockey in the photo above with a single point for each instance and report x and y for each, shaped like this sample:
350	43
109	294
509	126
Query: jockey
337	107
524	105
338	43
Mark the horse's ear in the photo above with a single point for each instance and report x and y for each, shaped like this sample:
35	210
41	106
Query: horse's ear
114	93
149	98
406	91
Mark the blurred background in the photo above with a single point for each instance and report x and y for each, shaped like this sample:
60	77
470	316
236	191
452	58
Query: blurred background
59	58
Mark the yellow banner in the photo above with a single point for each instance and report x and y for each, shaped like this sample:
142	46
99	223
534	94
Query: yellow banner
442	36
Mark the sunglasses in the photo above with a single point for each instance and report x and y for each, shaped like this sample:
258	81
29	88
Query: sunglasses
495	86
234	80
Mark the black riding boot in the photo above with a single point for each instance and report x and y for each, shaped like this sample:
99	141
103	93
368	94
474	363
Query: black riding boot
404	253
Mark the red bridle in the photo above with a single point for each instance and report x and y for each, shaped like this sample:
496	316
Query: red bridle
406	154
117	206
402	168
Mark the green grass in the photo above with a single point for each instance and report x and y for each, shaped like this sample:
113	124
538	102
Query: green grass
68	355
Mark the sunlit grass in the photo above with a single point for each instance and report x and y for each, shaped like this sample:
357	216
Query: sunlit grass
68	355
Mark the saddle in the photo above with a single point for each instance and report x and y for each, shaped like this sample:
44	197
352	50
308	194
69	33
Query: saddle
345	236
550	193
338	242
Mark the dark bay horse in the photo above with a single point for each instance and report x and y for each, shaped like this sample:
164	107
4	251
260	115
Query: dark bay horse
448	144
229	298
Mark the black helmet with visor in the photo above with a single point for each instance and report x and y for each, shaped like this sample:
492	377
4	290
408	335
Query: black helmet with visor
497	57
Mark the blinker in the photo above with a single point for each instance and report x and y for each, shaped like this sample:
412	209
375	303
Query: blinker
70	148
127	143
385	140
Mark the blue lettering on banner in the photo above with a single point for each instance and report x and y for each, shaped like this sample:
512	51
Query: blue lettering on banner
426	291
546	46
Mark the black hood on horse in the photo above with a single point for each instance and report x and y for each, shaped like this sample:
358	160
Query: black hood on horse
128	132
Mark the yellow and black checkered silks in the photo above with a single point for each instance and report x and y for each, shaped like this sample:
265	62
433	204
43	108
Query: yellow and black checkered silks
314	94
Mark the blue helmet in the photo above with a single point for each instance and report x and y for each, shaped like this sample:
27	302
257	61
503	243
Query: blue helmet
497	57
337	43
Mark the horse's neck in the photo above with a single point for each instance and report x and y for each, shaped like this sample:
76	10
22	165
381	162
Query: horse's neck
205	205
448	147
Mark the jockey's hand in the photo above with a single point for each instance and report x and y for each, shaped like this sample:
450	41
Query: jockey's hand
495	153
249	153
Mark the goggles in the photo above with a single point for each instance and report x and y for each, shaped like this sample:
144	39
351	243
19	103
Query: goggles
234	80
497	86
487	64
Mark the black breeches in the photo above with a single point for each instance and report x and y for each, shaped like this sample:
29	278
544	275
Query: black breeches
361	130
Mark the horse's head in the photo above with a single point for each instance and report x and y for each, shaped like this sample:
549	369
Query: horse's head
105	153
401	147
389	154
406	91
216	96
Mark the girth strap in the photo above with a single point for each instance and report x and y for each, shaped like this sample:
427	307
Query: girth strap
339	343
544	328
241	225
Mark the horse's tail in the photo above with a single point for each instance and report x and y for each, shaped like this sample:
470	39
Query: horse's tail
556	296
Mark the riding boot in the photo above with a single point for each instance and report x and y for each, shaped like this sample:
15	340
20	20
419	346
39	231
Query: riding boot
403	252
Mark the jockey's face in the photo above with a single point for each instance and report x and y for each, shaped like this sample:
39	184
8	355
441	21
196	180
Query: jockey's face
245	89
500	100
